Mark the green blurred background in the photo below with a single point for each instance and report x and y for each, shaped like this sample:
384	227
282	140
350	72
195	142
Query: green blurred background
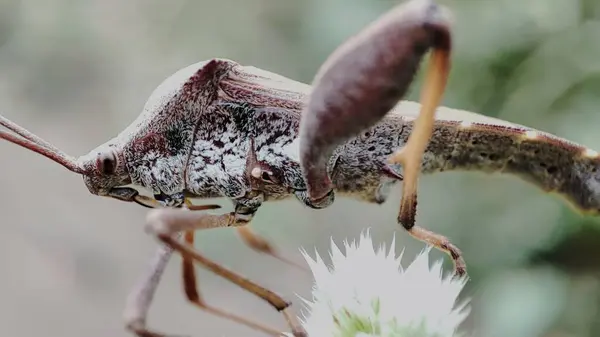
78	72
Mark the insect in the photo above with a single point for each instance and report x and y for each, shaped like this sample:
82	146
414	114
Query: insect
220	129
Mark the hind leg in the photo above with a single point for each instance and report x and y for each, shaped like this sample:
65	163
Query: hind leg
410	157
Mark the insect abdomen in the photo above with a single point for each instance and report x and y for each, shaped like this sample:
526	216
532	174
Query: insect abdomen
551	163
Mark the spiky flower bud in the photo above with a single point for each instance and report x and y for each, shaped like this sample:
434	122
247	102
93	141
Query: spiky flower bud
366	293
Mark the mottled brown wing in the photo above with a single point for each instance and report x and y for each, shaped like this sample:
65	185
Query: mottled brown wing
410	110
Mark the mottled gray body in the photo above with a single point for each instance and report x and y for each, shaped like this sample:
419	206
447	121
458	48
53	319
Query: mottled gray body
212	110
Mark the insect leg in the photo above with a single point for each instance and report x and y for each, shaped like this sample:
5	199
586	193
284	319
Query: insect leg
140	298
410	156
193	295
164	223
263	245
442	243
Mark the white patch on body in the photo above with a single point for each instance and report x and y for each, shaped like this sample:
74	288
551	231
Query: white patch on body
590	153
292	149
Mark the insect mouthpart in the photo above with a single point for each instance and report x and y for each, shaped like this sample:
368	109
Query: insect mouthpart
123	193
129	194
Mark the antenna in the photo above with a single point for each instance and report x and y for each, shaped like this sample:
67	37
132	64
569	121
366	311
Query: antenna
34	143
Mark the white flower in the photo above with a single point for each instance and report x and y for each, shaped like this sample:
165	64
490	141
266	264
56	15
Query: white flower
367	293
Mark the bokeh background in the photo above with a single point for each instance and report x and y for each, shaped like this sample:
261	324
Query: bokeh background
78	72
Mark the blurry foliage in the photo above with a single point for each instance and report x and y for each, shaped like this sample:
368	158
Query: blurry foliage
77	72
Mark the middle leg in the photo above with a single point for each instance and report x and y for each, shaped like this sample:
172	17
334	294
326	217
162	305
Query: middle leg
262	245
193	295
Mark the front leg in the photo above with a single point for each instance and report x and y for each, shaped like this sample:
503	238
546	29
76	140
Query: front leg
140	298
166	222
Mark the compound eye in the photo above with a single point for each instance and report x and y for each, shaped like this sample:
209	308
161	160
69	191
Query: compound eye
106	163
